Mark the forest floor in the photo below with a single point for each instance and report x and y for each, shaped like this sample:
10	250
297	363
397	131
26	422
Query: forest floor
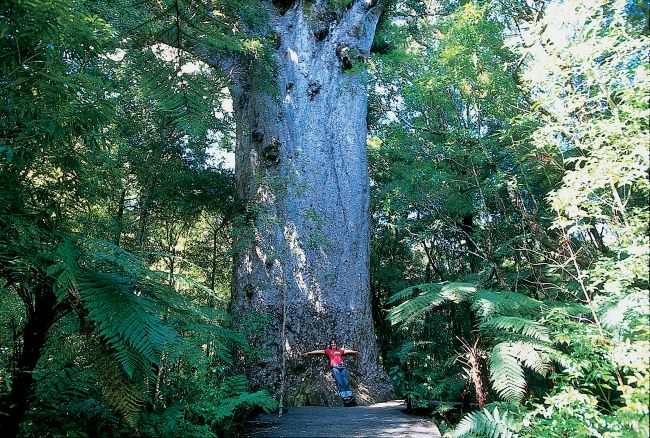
379	420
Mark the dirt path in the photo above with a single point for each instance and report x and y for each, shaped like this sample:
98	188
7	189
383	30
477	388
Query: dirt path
379	420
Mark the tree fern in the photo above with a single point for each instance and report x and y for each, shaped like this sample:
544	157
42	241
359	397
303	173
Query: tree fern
136	316
125	312
521	342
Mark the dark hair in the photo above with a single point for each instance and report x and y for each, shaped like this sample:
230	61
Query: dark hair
329	344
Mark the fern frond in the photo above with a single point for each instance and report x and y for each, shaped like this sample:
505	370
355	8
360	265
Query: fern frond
104	256
221	339
234	385
506	373
125	315
489	303
515	324
126	306
64	262
492	424
429	297
144	301
126	395
132	363
570	310
231	395
466	288
227	406
533	356
507	360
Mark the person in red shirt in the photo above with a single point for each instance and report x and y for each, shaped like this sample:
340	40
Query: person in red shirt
339	371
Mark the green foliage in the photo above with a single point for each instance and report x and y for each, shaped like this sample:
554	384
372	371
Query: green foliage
514	163
509	167
106	184
525	342
506	373
126	395
428	297
491	303
214	407
486	423
514	324
600	72
127	313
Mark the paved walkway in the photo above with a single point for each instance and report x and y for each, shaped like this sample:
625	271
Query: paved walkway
378	420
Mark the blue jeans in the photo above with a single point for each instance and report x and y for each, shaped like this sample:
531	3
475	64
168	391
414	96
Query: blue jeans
340	374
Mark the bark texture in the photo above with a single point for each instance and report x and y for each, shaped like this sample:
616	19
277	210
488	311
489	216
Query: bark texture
301	167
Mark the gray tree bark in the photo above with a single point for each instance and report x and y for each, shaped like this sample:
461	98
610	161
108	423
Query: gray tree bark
302	270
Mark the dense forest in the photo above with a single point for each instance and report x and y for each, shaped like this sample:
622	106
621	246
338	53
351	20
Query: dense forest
195	193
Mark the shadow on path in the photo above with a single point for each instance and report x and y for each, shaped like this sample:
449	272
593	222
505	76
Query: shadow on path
378	420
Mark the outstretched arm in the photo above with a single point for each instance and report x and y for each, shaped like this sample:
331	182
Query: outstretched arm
314	352
351	352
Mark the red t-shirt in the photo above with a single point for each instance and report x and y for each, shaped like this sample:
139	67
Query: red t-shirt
335	356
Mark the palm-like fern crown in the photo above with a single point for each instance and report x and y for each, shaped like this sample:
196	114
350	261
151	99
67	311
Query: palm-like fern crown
135	315
507	319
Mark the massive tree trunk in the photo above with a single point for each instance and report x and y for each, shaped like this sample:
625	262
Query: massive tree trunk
301	167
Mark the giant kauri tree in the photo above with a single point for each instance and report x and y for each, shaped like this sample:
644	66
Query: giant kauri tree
301	167
295	73
301	162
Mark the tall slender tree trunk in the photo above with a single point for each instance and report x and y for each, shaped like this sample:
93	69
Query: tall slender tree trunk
468	227
301	166
213	264
119	219
145	197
